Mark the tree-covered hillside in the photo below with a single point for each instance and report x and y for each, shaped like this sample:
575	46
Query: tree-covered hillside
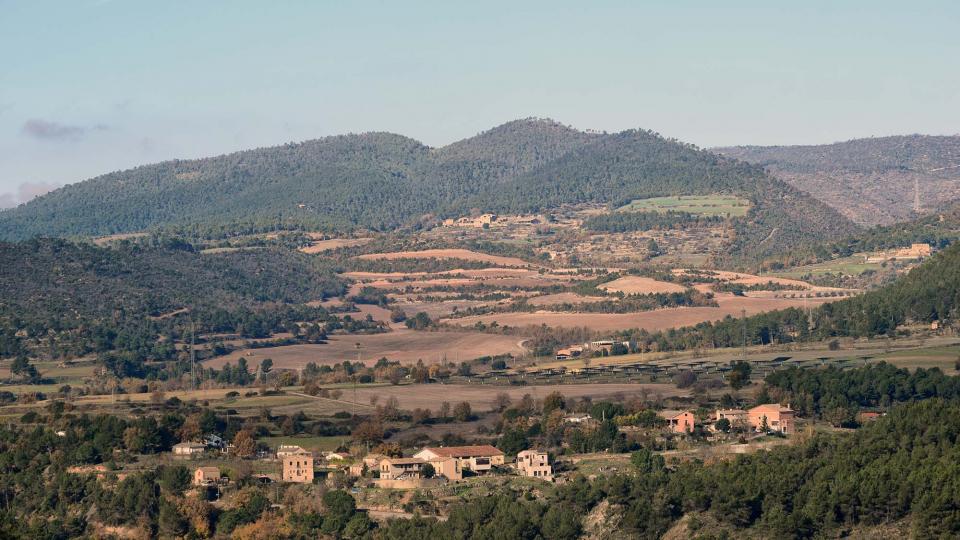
382	181
869	180
75	298
939	230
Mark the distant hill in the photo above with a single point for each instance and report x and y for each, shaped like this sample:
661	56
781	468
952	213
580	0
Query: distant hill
871	181
382	181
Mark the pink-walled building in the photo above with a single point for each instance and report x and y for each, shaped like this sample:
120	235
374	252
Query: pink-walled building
680	421
776	418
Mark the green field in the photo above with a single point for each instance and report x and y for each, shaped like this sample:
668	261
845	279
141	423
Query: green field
316	444
944	358
853	265
706	205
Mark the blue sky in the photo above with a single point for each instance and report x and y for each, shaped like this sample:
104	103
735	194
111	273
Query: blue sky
92	86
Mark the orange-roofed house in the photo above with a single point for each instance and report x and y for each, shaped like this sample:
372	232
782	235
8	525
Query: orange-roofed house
479	459
680	421
774	416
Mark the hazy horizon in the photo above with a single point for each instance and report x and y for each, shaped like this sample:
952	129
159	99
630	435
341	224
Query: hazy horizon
99	86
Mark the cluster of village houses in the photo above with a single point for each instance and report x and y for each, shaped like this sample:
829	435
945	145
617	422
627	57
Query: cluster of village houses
446	463
762	418
433	465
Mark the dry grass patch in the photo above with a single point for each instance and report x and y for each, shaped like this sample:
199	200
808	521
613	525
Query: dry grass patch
641	285
334	243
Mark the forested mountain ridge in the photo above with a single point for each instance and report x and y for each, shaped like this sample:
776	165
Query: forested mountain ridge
869	180
382	181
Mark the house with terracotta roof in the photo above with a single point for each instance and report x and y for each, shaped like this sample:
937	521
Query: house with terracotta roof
772	417
679	421
479	458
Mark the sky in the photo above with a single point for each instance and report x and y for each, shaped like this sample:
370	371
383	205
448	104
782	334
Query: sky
93	86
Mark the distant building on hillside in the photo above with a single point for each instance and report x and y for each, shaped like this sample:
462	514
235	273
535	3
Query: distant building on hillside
772	417
570	352
298	468
189	449
413	468
479	459
204	476
736	417
401	468
534	464
285	450
680	421
578	418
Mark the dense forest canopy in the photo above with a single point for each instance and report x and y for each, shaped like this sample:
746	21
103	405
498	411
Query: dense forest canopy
49	277
381	181
75	298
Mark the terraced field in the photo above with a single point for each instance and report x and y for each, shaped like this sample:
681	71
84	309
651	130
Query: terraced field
711	205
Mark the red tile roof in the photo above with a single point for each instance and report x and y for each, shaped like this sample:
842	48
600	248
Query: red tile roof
466	451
